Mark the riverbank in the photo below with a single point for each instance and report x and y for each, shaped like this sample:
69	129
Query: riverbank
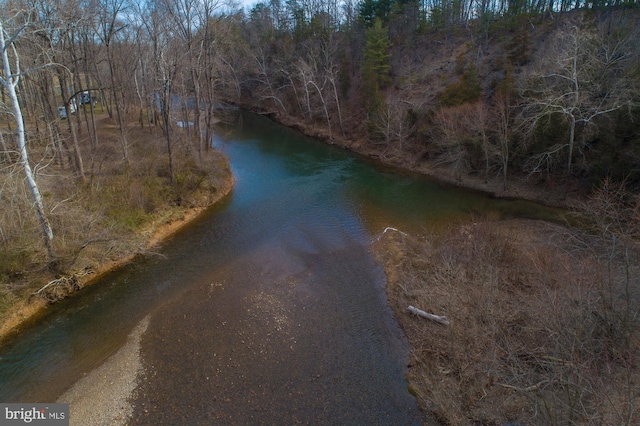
109	220
542	327
561	194
158	232
541	322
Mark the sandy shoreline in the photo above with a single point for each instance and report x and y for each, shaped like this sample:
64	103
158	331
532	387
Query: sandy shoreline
102	396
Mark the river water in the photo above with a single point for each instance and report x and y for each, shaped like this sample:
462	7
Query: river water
269	308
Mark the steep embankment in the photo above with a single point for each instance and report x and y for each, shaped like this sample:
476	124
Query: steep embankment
489	106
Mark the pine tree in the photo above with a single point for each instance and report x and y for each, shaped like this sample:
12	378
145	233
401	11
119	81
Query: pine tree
377	69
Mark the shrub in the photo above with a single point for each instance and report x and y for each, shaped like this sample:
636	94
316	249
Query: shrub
466	89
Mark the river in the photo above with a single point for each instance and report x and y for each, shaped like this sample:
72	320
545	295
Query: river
269	308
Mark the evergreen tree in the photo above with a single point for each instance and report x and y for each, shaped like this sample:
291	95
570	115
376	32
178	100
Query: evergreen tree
377	68
370	10
467	89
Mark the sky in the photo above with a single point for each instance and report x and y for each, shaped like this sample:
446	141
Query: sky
247	4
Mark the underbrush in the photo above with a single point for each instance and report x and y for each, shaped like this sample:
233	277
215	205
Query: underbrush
107	216
543	322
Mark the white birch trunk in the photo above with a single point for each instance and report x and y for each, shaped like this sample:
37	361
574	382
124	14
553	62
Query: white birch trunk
10	81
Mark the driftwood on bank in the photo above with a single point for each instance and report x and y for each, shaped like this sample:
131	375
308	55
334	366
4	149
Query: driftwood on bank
58	289
61	287
389	228
437	318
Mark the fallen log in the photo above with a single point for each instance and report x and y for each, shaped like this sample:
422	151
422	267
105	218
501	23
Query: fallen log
389	228
527	389
437	318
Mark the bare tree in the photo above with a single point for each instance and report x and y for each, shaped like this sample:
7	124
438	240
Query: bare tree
450	134
327	51
582	78
390	125
109	25
231	60
206	51
269	89
313	84
477	122
166	58
304	73
185	16
10	79
502	126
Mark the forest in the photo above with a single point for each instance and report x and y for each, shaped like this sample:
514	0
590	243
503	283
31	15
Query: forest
542	91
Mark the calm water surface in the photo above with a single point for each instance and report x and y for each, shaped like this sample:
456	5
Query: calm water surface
269	309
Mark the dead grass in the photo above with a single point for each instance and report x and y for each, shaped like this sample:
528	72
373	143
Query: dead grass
543	327
104	220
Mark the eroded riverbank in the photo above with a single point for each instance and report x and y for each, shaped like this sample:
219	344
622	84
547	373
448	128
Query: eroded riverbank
154	234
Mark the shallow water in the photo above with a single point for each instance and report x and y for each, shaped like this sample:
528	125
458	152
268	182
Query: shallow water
268	309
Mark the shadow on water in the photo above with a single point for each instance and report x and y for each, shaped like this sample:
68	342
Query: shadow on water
268	308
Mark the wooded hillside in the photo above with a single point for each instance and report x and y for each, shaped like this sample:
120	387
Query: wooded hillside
543	91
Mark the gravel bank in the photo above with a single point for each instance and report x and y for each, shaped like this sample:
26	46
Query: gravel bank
102	396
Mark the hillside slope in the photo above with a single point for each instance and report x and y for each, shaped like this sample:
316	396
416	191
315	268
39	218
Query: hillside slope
514	106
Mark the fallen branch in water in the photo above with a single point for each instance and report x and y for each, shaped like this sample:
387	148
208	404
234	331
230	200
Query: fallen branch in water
437	318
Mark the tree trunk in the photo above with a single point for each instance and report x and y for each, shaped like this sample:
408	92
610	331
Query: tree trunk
166	118
91	122
324	107
10	82
5	150
572	136
335	95
197	118
77	156
119	113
